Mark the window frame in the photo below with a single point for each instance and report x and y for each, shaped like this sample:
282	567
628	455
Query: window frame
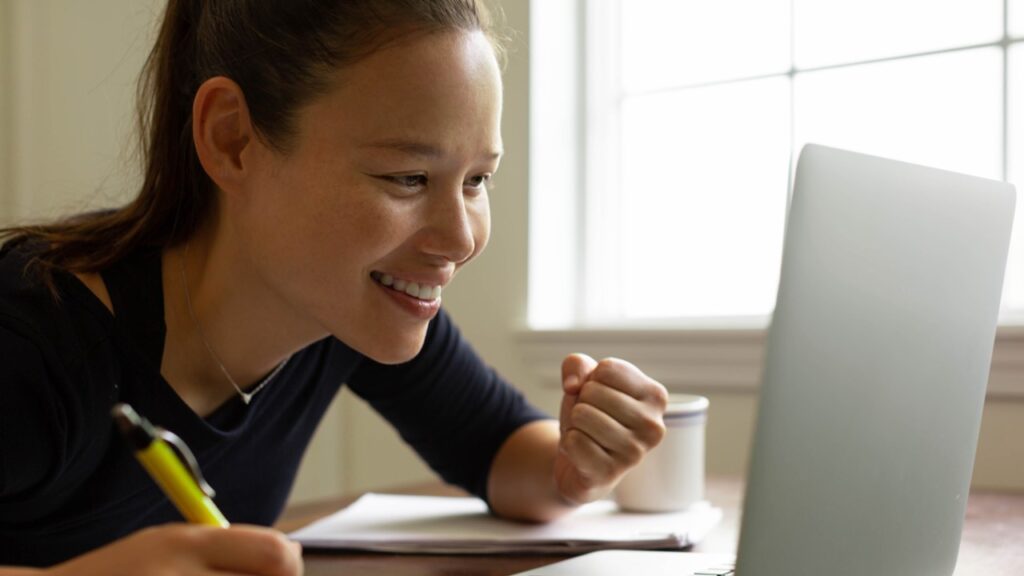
704	355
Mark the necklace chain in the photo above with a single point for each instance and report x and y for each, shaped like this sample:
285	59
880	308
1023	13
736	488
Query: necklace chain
246	396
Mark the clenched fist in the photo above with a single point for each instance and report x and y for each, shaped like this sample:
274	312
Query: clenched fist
611	416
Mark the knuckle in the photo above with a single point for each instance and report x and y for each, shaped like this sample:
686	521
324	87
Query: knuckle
660	395
633	453
652	431
608	365
611	362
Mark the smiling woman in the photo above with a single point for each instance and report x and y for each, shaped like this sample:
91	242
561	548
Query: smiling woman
315	176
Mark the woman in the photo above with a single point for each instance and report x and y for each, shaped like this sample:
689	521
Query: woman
316	174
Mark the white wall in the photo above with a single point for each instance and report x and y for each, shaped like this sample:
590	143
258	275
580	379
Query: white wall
72	68
6	194
67	72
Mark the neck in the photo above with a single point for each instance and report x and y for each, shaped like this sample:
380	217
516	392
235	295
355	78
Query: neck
249	328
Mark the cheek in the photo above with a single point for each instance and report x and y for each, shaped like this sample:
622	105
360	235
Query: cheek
316	230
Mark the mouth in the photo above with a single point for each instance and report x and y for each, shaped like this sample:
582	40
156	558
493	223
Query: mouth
424	292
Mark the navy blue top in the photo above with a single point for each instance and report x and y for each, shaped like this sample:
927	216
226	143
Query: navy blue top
69	483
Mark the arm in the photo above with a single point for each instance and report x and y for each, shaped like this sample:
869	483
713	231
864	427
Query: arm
525	466
448	405
611	416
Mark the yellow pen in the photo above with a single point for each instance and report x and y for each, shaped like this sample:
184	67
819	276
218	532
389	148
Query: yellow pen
184	485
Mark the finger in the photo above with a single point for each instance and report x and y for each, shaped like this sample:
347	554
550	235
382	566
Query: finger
252	550
575	370
629	379
618	441
624	408
591	461
642	419
564	413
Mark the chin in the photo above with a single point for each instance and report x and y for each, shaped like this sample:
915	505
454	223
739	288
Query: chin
393	351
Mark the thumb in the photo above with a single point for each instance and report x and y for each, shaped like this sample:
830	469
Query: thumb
575	369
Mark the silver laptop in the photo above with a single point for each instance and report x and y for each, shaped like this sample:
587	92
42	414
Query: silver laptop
877	361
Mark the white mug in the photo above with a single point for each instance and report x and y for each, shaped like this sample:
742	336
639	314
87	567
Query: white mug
671	476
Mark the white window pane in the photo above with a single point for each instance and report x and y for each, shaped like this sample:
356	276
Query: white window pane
553	155
943	110
1016	18
704	179
673	42
1013	296
834	31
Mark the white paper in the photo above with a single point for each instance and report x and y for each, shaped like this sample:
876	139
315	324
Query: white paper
445	525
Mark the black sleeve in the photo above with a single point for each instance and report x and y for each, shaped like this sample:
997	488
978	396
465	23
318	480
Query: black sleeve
453	409
31	423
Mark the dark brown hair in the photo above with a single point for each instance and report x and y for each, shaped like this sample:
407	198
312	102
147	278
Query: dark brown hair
281	53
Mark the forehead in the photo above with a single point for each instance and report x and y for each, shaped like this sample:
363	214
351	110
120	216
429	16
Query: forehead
439	88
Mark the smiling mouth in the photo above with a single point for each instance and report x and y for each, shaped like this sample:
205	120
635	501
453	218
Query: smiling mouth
423	292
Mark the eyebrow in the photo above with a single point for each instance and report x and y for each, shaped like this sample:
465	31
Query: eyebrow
417	148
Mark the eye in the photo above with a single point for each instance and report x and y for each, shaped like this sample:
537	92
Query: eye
407	182
478	182
410	180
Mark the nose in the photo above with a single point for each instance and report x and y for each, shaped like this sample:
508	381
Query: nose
453	225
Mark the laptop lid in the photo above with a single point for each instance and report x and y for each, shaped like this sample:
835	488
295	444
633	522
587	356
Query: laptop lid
876	367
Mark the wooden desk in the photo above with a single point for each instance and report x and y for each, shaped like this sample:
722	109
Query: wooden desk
992	545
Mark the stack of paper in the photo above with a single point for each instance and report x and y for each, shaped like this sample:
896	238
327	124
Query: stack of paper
443	525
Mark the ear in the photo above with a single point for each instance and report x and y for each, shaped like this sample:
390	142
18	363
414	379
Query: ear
223	133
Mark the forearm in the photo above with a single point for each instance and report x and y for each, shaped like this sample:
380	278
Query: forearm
7	571
521	484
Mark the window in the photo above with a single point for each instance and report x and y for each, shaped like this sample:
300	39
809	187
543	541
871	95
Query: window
663	137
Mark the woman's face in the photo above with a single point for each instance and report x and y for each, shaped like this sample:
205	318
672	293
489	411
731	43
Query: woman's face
383	192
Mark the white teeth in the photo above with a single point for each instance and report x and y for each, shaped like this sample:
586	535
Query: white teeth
414	289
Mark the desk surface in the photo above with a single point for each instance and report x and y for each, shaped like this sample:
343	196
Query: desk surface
992	545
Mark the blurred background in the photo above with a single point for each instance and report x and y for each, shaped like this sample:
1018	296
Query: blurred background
641	201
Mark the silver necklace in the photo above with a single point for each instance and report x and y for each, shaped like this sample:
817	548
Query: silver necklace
246	396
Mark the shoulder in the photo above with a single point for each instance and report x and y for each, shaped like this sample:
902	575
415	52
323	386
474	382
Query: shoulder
66	316
54	416
29	409
23	293
58	364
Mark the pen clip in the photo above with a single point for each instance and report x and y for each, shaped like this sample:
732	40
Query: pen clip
178	445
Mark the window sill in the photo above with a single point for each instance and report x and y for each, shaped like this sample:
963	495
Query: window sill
716	360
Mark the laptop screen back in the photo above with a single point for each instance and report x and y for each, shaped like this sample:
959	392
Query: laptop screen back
877	363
